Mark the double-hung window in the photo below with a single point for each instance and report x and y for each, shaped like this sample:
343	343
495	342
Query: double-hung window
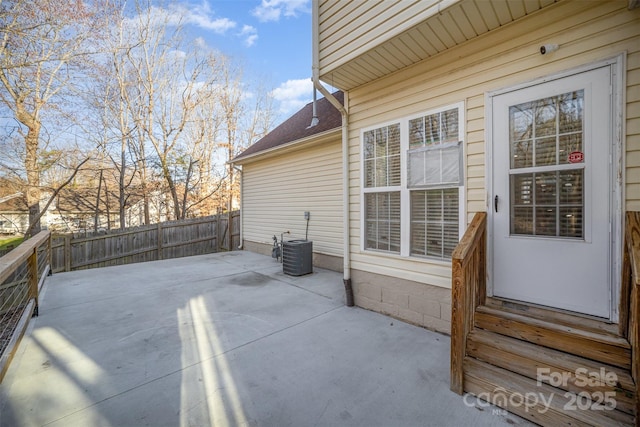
413	184
382	165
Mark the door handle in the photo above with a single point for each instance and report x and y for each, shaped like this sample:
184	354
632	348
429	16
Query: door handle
495	203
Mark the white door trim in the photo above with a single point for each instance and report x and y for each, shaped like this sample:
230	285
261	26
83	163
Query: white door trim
618	84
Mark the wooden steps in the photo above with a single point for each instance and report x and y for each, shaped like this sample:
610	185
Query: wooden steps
538	363
542	404
599	346
550	373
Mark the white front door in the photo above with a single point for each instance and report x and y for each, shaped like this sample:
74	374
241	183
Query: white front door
552	193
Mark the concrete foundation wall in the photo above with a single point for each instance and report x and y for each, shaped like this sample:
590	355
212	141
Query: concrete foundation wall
413	302
320	260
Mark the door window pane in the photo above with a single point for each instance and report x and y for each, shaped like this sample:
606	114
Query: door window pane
546	113
522	220
571	222
548	204
545	190
522	189
546	131
570	143
522	154
570	110
546	151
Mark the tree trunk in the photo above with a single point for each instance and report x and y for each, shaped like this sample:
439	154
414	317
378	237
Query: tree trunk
121	193
33	176
97	213
172	188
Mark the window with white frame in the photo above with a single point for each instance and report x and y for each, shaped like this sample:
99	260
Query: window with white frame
382	166
413	184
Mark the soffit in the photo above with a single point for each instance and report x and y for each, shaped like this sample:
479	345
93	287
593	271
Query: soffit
459	23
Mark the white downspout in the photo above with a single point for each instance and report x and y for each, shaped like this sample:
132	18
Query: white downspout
241	246
346	251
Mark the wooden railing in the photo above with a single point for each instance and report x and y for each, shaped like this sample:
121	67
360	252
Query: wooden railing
22	274
468	290
630	298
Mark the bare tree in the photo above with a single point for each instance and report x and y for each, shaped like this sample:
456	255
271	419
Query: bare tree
44	45
247	116
114	102
174	83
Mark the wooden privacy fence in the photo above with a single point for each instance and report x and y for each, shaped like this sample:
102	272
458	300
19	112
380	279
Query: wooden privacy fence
22	274
173	239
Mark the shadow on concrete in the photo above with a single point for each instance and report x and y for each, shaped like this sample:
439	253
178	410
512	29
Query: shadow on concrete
225	339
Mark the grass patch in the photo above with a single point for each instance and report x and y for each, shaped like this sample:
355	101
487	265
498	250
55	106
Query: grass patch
10	241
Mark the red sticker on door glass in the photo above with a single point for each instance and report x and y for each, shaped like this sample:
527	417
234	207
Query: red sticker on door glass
576	157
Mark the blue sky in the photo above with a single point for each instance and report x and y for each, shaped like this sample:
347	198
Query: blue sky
271	38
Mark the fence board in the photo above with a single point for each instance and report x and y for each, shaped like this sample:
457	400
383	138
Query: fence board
166	240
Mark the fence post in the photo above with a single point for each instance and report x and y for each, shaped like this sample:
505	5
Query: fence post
230	230
50	254
159	241
218	243
67	252
33	278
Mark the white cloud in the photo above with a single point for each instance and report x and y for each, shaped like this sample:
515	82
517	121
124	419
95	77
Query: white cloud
271	10
250	35
293	95
202	16
200	42
199	15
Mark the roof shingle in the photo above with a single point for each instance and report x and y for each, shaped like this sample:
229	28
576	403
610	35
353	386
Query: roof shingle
297	126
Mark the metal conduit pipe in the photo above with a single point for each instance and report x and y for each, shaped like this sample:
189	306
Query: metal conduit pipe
346	256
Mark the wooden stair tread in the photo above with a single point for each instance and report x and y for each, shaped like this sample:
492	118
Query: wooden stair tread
559	317
601	347
503	388
525	359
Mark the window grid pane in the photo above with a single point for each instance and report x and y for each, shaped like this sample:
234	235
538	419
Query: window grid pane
382	217
437	128
548	204
434	222
382	156
547	132
433	160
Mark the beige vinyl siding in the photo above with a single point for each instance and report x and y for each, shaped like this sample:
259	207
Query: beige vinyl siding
587	32
632	176
278	190
347	28
360	41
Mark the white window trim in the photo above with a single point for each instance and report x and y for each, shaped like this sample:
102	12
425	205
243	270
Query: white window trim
405	200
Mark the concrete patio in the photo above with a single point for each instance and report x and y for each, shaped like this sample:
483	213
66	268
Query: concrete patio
225	339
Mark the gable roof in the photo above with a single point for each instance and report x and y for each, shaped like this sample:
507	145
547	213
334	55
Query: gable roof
297	127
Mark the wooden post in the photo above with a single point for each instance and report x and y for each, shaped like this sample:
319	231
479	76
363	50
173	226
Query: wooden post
67	252
50	255
458	335
468	274
218	231
631	275
159	241
229	231
32	264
